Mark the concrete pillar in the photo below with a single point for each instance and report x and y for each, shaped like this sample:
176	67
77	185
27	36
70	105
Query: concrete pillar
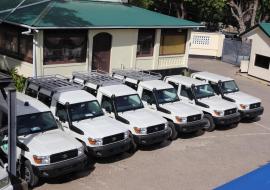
156	49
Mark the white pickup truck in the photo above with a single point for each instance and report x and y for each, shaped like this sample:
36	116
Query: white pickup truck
162	98
81	116
200	94
43	149
124	104
249	106
4	179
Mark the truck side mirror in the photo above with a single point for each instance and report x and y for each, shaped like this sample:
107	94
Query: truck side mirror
149	101
108	109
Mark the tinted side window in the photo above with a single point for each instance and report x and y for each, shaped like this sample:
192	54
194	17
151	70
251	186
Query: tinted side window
148	96
214	86
31	92
106	103
186	92
174	85
47	100
61	112
3	123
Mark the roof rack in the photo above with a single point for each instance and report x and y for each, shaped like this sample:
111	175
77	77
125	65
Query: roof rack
139	75
55	83
96	77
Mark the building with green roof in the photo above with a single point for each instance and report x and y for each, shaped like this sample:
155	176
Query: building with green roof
43	37
259	63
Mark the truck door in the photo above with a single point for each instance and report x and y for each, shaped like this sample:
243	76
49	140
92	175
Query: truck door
148	99
107	106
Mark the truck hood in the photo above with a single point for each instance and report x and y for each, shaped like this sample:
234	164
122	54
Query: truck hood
181	109
142	118
100	127
50	142
218	103
243	98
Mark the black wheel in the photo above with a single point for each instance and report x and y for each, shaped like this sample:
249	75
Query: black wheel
174	133
133	147
29	175
210	126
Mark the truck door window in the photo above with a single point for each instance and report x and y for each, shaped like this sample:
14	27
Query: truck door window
3	123
106	103
186	92
61	112
31	92
147	96
215	87
47	100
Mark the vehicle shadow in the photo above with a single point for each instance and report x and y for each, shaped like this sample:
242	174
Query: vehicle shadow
115	158
191	135
69	177
155	146
226	128
246	120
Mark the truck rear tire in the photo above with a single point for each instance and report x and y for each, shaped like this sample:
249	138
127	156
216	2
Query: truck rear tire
174	133
29	175
211	125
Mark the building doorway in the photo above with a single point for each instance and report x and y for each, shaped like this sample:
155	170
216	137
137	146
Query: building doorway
102	44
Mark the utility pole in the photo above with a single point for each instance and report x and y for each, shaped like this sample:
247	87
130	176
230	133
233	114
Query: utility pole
12	132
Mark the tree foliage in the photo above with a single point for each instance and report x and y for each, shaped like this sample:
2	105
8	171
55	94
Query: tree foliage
240	13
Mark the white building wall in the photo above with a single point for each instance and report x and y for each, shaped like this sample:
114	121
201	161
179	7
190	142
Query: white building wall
261	46
206	44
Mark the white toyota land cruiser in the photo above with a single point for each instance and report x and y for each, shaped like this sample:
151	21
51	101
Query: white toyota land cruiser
162	98
249	106
43	149
81	115
124	104
200	94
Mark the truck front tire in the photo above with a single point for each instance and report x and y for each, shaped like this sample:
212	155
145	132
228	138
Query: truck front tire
29	175
211	125
174	133
133	147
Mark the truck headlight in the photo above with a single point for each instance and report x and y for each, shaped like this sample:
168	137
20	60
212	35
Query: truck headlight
4	182
141	131
127	134
93	141
42	159
80	151
244	106
180	120
218	113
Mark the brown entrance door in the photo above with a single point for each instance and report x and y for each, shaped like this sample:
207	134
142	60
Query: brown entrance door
102	44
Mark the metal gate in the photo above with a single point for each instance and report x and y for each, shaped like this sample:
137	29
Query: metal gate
235	50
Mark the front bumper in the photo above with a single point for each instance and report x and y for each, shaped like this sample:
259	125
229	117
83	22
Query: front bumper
252	113
110	149
153	138
191	126
62	168
227	120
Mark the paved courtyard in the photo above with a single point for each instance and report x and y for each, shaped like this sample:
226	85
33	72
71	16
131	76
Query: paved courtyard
190	162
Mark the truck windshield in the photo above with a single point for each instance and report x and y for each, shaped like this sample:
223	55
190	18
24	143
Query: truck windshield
127	103
229	87
35	123
167	96
85	110
203	91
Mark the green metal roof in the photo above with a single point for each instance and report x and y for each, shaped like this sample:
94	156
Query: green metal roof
265	26
87	14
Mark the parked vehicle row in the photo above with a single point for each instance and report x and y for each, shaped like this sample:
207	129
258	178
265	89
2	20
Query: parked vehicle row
63	123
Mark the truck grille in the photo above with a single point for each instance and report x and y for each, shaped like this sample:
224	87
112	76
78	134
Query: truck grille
155	128
254	106
113	138
194	118
230	111
64	156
